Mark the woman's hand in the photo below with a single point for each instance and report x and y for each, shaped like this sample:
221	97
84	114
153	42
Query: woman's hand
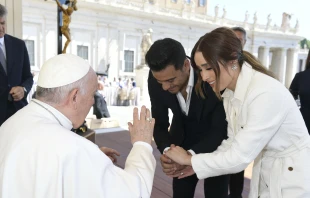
179	155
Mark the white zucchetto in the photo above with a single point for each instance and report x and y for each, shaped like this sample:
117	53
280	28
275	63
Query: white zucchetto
62	70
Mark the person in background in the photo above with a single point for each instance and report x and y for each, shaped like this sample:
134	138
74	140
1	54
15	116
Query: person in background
115	83
15	76
264	122
300	87
120	83
198	125
41	157
100	108
241	34
134	84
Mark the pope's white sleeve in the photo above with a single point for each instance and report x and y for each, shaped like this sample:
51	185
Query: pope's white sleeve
88	172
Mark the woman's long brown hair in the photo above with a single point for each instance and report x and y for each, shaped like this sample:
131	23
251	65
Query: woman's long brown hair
221	46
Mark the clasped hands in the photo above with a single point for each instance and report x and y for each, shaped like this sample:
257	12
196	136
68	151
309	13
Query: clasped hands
176	162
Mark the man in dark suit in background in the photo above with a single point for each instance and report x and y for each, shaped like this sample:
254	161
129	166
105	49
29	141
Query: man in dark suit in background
100	108
15	77
198	125
241	34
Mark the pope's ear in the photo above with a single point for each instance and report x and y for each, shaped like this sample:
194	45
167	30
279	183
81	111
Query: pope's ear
73	97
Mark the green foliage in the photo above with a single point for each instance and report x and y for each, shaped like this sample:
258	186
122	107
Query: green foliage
304	44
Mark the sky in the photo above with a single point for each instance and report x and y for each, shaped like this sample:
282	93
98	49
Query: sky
236	10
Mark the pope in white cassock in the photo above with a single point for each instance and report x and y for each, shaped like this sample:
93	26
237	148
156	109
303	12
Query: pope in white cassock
41	158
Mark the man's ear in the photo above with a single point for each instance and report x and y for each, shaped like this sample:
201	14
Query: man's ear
187	64
73	98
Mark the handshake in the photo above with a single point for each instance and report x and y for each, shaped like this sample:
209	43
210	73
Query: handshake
176	162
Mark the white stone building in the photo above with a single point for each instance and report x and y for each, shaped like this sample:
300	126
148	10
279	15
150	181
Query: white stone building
110	32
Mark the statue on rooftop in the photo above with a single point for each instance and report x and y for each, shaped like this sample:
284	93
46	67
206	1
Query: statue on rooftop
285	21
246	18
193	6
268	20
296	26
216	10
255	18
224	13
146	44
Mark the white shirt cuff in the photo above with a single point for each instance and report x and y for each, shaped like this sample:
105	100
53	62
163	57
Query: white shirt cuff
144	144
166	149
192	152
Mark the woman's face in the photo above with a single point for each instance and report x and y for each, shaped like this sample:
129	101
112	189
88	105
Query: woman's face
208	74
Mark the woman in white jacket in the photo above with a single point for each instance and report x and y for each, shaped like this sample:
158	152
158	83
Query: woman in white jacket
264	122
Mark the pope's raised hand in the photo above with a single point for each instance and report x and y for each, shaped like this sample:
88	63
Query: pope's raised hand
142	127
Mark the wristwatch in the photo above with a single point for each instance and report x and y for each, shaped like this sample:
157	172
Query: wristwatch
25	90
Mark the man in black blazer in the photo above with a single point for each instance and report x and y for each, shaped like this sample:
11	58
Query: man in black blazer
100	108
300	88
198	125
15	77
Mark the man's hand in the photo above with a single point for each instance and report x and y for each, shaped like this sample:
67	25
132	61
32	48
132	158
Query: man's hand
111	153
169	166
17	93
141	129
187	171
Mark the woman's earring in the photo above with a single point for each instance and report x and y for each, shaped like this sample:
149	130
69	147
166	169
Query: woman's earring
234	67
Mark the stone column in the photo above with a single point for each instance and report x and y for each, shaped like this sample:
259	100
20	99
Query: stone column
254	50
43	39
263	55
113	51
121	44
278	63
14	17
291	66
95	42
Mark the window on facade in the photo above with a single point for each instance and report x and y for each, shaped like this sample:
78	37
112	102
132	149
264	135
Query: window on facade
151	1
129	60
82	51
30	49
188	1
202	3
174	1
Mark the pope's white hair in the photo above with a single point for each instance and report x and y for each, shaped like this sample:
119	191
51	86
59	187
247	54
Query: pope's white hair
57	95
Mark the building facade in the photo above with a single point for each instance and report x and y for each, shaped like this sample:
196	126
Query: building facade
108	33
